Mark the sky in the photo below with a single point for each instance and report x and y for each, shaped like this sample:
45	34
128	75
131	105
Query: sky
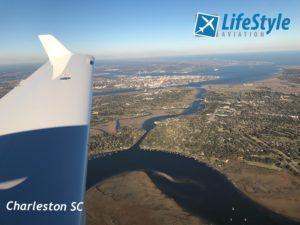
118	29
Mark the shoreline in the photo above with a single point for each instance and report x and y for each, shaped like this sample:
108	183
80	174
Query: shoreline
279	193
228	174
224	173
252	184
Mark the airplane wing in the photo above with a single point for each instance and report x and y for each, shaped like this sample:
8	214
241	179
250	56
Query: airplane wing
44	124
205	19
210	24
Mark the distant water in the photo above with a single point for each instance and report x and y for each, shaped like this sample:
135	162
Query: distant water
282	58
227	75
238	74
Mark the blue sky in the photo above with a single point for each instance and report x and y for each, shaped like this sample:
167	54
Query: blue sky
133	28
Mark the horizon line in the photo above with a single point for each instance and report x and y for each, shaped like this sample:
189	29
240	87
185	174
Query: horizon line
141	58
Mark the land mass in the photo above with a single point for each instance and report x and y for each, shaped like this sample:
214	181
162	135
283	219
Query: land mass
248	132
117	119
132	198
142	82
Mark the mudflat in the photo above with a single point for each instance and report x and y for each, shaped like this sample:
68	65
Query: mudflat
276	190
133	199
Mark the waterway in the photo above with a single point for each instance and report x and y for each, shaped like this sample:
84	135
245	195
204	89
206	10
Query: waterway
195	186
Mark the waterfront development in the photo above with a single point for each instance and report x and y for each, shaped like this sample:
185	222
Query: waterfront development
219	146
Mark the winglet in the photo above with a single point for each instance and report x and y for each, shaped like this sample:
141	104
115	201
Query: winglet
58	54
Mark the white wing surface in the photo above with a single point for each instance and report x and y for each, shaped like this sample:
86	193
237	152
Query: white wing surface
44	124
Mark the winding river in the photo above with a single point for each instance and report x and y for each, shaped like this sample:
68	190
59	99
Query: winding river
195	186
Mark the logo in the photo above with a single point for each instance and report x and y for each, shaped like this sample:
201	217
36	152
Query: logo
206	25
239	25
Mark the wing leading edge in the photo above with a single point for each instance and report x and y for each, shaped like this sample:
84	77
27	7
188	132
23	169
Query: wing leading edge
44	124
